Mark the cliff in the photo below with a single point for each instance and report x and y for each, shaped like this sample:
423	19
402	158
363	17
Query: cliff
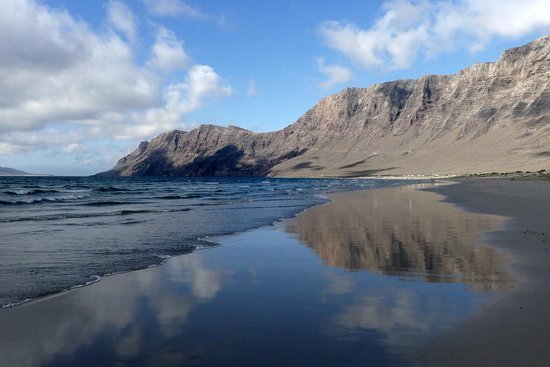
490	117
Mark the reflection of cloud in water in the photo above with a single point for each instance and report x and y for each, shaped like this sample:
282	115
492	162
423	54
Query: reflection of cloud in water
293	301
75	319
205	283
338	284
398	311
128	346
402	231
171	313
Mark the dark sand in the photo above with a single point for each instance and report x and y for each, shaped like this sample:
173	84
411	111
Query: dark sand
514	329
379	277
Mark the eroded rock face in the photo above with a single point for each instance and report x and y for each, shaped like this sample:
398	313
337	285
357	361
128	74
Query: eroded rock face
487	117
210	150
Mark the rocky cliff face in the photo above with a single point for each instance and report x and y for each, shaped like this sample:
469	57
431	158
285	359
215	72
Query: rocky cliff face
211	150
491	117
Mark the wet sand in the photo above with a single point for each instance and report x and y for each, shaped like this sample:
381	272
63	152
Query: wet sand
514	329
379	277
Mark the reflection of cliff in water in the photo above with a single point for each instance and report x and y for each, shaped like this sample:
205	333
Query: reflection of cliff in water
402	230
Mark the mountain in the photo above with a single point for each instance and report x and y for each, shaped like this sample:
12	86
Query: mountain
489	117
5	171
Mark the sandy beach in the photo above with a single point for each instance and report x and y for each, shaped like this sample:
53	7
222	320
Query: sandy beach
413	275
513	330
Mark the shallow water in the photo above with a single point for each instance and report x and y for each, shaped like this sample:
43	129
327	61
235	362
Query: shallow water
323	289
403	232
61	232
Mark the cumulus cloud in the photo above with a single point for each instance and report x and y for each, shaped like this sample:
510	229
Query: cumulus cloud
66	72
20	141
62	140
335	74
168	53
122	19
71	85
409	29
202	82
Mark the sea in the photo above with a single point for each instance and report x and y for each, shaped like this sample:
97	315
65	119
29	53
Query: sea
58	233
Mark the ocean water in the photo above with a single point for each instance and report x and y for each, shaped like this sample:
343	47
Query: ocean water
60	232
373	279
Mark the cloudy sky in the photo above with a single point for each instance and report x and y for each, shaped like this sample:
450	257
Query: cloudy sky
83	82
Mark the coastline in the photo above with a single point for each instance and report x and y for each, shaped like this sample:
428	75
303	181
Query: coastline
163	285
65	232
514	329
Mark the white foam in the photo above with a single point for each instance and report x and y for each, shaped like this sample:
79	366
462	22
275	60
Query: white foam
17	303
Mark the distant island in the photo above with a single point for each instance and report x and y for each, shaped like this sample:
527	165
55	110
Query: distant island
488	118
5	171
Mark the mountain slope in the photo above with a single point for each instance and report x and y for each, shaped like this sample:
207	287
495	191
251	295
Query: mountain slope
487	117
5	171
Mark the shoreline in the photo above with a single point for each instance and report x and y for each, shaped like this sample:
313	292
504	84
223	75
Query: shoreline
464	337
96	278
327	197
164	259
514	329
268	216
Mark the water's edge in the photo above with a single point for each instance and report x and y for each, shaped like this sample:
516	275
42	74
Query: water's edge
209	241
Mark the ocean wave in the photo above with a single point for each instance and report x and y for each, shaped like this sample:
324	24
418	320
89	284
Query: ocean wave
110	216
62	216
131	222
77	186
30	192
187	196
16	303
104	203
75	191
95	279
111	189
35	200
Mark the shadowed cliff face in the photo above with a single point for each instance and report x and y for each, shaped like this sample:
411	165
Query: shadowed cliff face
210	151
403	232
490	117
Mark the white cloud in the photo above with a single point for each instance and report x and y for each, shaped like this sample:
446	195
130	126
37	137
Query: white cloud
65	72
173	8
202	82
251	91
22	141
71	87
122	19
335	74
168	53
73	147
176	8
411	29
204	283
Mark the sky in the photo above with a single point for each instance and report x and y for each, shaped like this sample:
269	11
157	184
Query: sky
83	82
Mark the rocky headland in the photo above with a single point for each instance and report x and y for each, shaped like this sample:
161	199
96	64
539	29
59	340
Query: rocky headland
489	117
6	171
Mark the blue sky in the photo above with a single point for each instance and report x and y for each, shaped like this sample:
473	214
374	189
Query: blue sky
83	82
